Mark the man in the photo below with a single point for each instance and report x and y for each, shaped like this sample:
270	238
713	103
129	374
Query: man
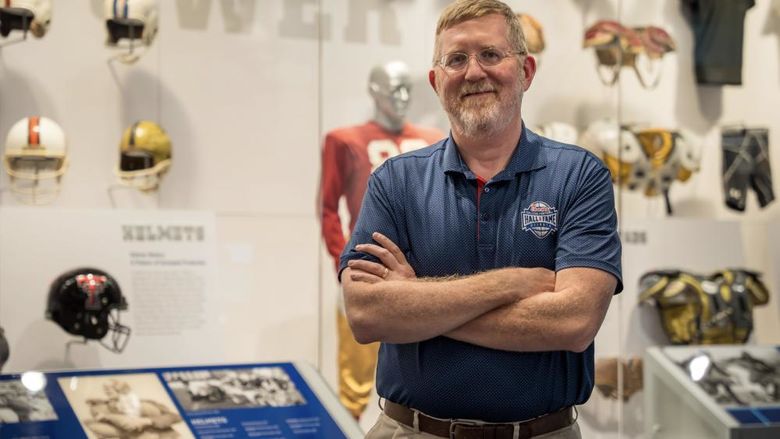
350	154
486	262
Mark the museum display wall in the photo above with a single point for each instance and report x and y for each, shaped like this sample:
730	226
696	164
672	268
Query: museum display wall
224	261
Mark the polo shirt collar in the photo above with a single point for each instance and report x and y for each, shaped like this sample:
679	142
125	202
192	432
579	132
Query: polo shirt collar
526	157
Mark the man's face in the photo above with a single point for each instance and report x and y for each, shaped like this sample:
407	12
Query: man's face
481	100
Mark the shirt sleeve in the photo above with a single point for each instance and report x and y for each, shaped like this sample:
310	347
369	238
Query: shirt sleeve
377	214
335	170
588	235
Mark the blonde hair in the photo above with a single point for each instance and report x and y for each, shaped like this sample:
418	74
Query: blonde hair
464	10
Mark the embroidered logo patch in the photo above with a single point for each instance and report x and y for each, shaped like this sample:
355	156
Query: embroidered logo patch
540	219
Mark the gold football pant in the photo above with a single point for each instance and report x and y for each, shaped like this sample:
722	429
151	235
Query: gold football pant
357	363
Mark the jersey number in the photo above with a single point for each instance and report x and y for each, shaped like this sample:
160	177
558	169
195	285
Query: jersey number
381	150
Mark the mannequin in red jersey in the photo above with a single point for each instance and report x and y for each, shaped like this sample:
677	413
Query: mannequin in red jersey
349	156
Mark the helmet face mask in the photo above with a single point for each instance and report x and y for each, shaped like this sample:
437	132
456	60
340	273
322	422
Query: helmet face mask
35	159
87	302
144	156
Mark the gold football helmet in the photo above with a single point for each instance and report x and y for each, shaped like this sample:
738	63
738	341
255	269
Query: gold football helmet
144	156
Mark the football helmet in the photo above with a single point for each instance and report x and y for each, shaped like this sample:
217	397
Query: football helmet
87	302
559	131
35	158
130	20
25	15
533	32
144	156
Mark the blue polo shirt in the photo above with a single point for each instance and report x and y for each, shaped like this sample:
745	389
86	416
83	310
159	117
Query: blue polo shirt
552	207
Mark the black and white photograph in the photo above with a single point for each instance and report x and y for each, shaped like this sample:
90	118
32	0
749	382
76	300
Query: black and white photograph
128	406
198	390
19	404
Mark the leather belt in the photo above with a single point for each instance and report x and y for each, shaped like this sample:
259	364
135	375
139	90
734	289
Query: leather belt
465	429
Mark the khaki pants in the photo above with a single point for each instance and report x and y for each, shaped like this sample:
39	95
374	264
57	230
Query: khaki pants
357	364
388	428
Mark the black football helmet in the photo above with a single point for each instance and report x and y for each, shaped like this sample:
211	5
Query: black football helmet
87	302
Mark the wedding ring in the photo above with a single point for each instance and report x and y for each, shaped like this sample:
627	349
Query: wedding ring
384	275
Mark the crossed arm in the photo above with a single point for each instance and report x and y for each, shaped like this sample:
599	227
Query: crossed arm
516	309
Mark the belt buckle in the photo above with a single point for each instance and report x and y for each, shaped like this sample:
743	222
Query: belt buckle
466	423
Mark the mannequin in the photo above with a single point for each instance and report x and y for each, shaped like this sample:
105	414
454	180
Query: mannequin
389	86
349	156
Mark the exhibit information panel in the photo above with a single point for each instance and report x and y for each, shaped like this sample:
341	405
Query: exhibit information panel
280	400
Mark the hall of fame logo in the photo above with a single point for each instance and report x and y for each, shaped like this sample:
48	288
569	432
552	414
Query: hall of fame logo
540	219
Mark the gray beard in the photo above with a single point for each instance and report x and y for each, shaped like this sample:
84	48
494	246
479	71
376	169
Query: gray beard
484	121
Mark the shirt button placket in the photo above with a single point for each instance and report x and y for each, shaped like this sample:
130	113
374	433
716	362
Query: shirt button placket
486	245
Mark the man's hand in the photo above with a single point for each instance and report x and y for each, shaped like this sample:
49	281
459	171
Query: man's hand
394	265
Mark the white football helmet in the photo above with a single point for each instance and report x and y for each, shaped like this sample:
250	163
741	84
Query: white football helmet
130	20
559	131
25	15
35	158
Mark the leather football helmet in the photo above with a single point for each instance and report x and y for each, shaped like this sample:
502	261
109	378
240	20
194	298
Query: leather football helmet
533	32
25	15
87	302
35	158
144	156
130	20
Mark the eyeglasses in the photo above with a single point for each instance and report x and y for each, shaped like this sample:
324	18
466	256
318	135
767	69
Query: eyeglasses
487	57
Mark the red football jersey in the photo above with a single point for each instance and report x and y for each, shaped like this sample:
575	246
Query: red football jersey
348	157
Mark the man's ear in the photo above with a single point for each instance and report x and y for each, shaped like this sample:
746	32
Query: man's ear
432	80
529	71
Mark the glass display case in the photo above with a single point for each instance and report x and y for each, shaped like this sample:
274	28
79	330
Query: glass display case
194	152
